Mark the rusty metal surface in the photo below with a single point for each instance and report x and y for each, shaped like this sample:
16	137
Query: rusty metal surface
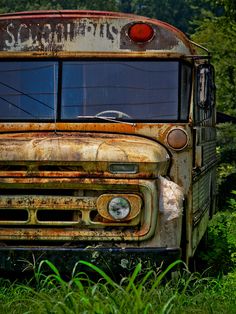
157	133
180	164
64	210
140	227
81	146
90	55
84	31
47	202
154	130
79	154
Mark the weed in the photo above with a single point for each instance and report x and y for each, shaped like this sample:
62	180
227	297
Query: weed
146	293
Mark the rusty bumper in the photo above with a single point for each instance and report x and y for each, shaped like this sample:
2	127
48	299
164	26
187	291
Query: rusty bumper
111	260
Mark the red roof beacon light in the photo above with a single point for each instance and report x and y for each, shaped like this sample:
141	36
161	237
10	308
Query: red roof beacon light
140	32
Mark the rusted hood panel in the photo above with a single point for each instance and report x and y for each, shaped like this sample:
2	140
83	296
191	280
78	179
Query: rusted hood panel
94	149
80	147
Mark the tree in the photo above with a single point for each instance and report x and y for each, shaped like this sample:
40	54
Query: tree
229	7
170	11
27	5
218	34
179	13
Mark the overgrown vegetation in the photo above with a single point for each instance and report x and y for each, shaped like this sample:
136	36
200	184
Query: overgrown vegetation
218	255
140	293
226	142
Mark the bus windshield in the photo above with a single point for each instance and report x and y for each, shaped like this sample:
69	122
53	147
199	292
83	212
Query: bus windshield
136	90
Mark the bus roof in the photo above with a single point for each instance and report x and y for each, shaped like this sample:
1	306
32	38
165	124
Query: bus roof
80	31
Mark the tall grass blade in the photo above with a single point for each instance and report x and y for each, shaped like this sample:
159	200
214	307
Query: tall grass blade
101	273
134	276
168	306
162	275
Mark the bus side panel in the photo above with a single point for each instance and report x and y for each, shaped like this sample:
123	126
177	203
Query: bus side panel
204	182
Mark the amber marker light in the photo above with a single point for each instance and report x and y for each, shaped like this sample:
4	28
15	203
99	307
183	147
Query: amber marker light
140	32
177	139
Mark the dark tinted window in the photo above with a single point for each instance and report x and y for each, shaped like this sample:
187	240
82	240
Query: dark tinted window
142	90
28	90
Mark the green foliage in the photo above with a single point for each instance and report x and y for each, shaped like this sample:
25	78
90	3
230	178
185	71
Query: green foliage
211	33
218	255
226	142
226	149
217	32
180	13
231	239
229	7
142	292
27	5
232	203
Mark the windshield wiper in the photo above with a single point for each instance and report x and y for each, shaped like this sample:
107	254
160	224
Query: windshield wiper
110	119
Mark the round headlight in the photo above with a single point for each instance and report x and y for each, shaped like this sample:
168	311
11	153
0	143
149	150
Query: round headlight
119	207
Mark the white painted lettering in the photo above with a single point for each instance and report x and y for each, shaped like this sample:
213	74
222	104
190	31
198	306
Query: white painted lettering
20	38
10	43
60	37
47	36
68	30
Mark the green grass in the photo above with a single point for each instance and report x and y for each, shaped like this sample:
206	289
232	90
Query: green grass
145	291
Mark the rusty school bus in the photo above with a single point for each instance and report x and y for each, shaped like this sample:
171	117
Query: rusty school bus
107	139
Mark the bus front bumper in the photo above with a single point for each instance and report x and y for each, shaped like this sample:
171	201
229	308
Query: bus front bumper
110	260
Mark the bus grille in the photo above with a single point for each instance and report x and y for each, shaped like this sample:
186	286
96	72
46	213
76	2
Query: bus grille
38	209
52	210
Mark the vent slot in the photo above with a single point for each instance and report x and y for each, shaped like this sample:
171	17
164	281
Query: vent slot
59	168
62	216
7	215
13	168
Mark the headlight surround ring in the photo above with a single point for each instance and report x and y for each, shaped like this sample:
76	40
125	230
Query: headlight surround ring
128	205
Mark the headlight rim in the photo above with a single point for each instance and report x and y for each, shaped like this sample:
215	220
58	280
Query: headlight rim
134	200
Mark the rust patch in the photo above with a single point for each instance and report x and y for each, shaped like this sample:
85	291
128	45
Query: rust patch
82	154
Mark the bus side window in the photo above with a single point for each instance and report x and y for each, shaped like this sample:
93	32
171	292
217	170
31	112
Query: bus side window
205	92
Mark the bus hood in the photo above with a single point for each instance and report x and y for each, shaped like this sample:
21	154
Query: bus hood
83	154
